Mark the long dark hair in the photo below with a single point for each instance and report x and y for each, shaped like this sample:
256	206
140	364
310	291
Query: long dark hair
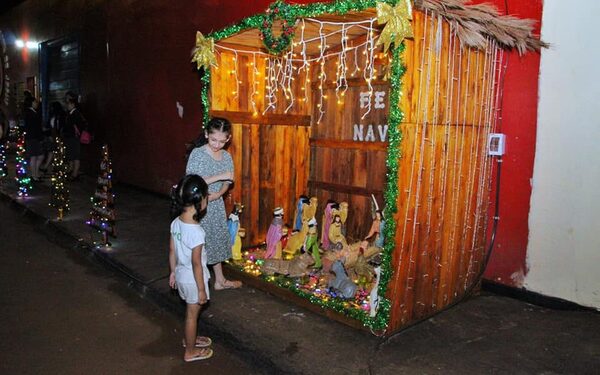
190	191
215	124
57	112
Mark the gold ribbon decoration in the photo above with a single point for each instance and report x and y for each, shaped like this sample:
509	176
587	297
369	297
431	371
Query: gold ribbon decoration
397	22
204	52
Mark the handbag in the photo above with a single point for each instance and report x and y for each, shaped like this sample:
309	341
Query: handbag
85	137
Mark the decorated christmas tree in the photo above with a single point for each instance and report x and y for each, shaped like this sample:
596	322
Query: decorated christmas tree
59	192
102	216
23	181
3	168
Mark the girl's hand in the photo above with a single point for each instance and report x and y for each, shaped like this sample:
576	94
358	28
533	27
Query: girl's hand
227	176
172	283
202	298
213	196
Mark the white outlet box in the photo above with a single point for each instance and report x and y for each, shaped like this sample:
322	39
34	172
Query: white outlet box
496	144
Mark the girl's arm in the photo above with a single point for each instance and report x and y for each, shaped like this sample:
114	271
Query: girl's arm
199	274
172	263
219	177
194	163
218	194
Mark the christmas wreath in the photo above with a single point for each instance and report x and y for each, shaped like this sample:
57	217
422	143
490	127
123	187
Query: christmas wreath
284	12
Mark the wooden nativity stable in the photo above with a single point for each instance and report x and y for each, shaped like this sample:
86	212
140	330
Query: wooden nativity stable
336	116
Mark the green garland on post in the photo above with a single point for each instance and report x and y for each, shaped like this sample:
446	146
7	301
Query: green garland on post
380	321
391	191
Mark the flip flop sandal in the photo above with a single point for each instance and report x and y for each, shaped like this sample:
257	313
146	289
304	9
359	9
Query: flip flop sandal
228	285
201	342
207	354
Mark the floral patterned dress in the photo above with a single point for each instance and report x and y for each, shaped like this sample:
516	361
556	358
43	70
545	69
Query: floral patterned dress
218	241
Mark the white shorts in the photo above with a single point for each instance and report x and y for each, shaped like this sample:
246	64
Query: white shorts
189	292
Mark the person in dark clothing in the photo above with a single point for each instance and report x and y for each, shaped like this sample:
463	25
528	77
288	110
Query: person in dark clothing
51	131
33	136
3	126
75	123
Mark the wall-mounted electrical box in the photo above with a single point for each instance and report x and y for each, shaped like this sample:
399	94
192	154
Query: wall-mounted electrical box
496	144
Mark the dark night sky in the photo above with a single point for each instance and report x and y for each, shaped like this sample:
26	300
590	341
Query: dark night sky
7	4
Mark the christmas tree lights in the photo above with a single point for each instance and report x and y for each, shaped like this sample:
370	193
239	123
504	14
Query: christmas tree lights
23	181
102	216
59	192
3	168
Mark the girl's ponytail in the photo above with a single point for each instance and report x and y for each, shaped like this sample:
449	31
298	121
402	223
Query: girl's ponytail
190	191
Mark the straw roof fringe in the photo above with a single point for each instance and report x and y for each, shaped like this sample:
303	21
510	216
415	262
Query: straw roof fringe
474	24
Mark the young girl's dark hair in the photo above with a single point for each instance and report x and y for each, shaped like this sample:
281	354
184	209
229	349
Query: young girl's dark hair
190	191
215	124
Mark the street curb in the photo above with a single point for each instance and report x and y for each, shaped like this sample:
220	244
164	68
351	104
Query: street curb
70	241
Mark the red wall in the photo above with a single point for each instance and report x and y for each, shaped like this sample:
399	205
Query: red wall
136	66
519	122
150	70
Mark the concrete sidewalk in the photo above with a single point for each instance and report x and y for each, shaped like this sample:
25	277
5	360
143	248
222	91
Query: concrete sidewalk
486	334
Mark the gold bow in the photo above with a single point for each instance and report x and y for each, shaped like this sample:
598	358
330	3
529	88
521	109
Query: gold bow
397	23
204	52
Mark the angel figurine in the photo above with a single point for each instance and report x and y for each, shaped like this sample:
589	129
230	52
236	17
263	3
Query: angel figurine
375	234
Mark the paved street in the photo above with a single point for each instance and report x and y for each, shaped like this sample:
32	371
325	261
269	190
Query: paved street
63	314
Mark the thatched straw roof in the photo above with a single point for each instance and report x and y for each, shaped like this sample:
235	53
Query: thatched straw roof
475	23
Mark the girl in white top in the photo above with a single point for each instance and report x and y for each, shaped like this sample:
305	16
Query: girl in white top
187	260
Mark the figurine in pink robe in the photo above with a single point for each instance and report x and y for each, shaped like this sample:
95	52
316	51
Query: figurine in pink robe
275	233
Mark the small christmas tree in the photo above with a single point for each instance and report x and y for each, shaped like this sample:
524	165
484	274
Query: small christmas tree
23	181
3	168
60	169
102	216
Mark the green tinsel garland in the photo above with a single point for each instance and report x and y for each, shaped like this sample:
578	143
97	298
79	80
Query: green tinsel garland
380	321
205	95
391	192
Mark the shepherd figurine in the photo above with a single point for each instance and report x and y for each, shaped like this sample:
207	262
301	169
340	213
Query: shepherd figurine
275	233
311	246
303	202
327	219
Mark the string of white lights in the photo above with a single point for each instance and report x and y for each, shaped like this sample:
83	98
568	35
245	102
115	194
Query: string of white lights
435	120
455	164
469	225
237	80
461	158
322	73
271	85
419	141
255	78
443	268
341	81
289	73
369	66
434	167
481	149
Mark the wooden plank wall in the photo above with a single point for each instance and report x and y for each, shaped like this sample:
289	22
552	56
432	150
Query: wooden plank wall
444	172
270	152
341	168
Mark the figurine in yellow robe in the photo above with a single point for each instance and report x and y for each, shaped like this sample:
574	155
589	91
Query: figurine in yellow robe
236	249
